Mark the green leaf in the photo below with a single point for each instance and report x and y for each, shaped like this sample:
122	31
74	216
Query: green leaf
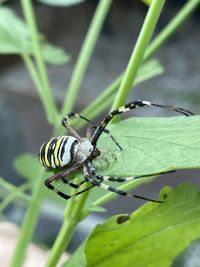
78	260
15	38
28	166
61	2
147	236
54	55
151	145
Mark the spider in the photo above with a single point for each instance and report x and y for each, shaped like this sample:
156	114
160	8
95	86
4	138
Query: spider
68	154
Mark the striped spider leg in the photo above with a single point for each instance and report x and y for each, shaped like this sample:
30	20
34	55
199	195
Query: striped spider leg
91	126
62	175
90	171
72	153
128	107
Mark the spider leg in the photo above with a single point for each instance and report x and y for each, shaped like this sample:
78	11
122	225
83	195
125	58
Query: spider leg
92	126
89	179
76	186
111	136
128	107
70	129
94	172
73	114
62	175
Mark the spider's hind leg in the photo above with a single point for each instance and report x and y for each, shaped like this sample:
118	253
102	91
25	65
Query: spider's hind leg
90	170
104	186
62	175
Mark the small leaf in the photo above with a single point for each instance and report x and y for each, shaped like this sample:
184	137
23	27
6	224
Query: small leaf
15	38
61	2
28	166
54	55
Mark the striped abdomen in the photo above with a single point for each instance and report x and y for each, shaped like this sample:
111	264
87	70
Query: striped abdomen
59	152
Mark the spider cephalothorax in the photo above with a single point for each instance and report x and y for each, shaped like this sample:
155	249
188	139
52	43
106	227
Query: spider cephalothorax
71	153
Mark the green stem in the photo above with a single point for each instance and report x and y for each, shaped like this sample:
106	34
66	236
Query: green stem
29	222
85	54
72	218
172	26
35	77
30	18
107	96
138	52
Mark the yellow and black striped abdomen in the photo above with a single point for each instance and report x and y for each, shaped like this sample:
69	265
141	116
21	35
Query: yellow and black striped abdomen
59	152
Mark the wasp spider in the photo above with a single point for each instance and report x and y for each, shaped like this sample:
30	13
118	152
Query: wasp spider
72	153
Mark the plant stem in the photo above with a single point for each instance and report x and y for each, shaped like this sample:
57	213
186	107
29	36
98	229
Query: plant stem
72	218
107	96
35	77
18	193
51	110
85	54
29	222
138	52
172	26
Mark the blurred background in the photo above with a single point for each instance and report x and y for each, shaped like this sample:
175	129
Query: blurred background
22	119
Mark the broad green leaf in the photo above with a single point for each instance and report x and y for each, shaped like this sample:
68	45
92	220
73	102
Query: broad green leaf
152	145
151	236
61	2
28	166
78	259
15	38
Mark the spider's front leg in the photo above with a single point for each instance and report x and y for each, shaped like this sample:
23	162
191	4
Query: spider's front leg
128	107
91	126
